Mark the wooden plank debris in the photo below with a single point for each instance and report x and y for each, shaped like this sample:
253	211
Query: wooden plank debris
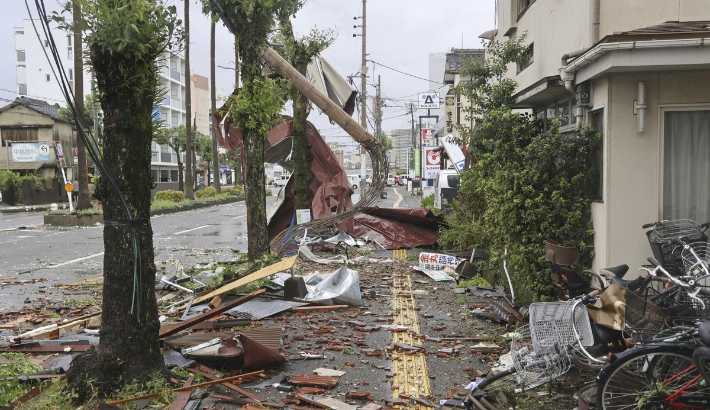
183	397
209	374
194	386
210	313
326	382
283	265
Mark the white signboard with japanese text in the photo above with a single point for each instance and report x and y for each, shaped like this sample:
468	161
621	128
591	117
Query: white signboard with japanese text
429	99
438	261
30	152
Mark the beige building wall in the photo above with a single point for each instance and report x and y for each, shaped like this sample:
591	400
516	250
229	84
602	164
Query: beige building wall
559	27
200	98
634	160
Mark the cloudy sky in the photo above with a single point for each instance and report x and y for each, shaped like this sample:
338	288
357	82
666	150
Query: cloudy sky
400	35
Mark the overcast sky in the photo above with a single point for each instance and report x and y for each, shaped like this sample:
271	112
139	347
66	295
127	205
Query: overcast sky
400	35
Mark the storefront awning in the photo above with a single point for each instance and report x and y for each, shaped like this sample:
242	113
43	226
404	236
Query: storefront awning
542	92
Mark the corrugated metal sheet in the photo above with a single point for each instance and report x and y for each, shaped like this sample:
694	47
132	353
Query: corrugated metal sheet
672	27
258	309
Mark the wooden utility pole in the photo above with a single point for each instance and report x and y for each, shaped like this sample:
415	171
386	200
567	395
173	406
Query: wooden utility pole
189	174
213	109
82	177
363	88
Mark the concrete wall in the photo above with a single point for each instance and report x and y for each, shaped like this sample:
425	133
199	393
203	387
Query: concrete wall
632	14
633	160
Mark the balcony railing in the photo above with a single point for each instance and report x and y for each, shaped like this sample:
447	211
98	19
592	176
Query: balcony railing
177	76
177	104
166	100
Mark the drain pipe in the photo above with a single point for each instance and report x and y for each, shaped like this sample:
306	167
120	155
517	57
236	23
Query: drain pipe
640	106
596	12
568	78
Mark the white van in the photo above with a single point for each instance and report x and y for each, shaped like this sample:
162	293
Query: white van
445	188
281	180
354	181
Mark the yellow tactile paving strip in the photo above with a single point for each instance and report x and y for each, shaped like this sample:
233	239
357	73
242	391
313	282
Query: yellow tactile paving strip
399	254
410	372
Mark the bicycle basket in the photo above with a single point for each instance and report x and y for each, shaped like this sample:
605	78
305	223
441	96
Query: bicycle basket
550	324
660	241
650	312
535	368
696	259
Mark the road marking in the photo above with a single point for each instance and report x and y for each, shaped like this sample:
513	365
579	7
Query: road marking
75	260
399	254
240	216
410	371
190	230
400	198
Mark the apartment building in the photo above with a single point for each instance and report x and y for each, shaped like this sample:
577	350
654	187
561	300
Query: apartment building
35	78
638	71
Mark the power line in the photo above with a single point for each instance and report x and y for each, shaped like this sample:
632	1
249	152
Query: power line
402	72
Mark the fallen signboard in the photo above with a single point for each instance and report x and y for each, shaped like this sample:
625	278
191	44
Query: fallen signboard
437	275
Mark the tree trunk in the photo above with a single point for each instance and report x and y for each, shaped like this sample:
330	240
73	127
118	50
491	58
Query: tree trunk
213	106
190	176
302	153
181	177
129	348
84	200
254	146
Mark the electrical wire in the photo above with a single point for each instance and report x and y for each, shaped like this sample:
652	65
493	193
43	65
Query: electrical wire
402	72
89	141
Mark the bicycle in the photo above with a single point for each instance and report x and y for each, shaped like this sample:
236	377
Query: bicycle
663	371
662	235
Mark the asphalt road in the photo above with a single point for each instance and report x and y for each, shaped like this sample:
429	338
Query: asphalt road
41	257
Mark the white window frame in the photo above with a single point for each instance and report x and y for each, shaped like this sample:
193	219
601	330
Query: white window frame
662	109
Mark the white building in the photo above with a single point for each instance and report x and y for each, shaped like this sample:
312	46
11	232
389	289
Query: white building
34	78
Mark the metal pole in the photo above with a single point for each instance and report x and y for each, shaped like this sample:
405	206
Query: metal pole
363	88
7	152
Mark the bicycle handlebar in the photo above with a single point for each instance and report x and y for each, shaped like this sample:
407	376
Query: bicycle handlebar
646	226
653	262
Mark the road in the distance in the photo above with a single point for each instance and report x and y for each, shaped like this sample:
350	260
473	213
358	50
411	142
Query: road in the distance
30	251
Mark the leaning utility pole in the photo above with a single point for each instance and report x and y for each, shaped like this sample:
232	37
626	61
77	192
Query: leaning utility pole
363	88
189	175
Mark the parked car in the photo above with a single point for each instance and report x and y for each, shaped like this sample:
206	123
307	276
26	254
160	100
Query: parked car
354	181
390	180
281	180
399	181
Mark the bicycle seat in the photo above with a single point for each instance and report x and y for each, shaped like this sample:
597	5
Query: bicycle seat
616	271
632	284
704	330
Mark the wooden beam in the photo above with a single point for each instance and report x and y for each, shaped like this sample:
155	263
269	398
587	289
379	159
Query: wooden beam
210	313
283	265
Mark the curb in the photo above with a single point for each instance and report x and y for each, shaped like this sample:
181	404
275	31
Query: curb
40	208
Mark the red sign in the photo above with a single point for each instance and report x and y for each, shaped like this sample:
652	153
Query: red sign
427	134
433	158
58	147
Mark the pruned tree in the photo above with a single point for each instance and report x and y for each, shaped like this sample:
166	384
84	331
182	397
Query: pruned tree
176	139
124	40
256	106
203	148
300	52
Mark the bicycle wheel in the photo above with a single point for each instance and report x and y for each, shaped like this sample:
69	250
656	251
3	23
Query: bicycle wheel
650	377
701	357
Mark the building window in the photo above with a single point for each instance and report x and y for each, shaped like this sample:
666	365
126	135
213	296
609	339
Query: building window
530	54
71	74
69	47
165	154
20	56
22	89
19	135
562	110
597	123
686	155
523	6
46	43
47	78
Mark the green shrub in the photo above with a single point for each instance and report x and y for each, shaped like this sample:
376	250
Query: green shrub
200	193
428	202
10	182
170	195
268	192
236	190
210	191
11	365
